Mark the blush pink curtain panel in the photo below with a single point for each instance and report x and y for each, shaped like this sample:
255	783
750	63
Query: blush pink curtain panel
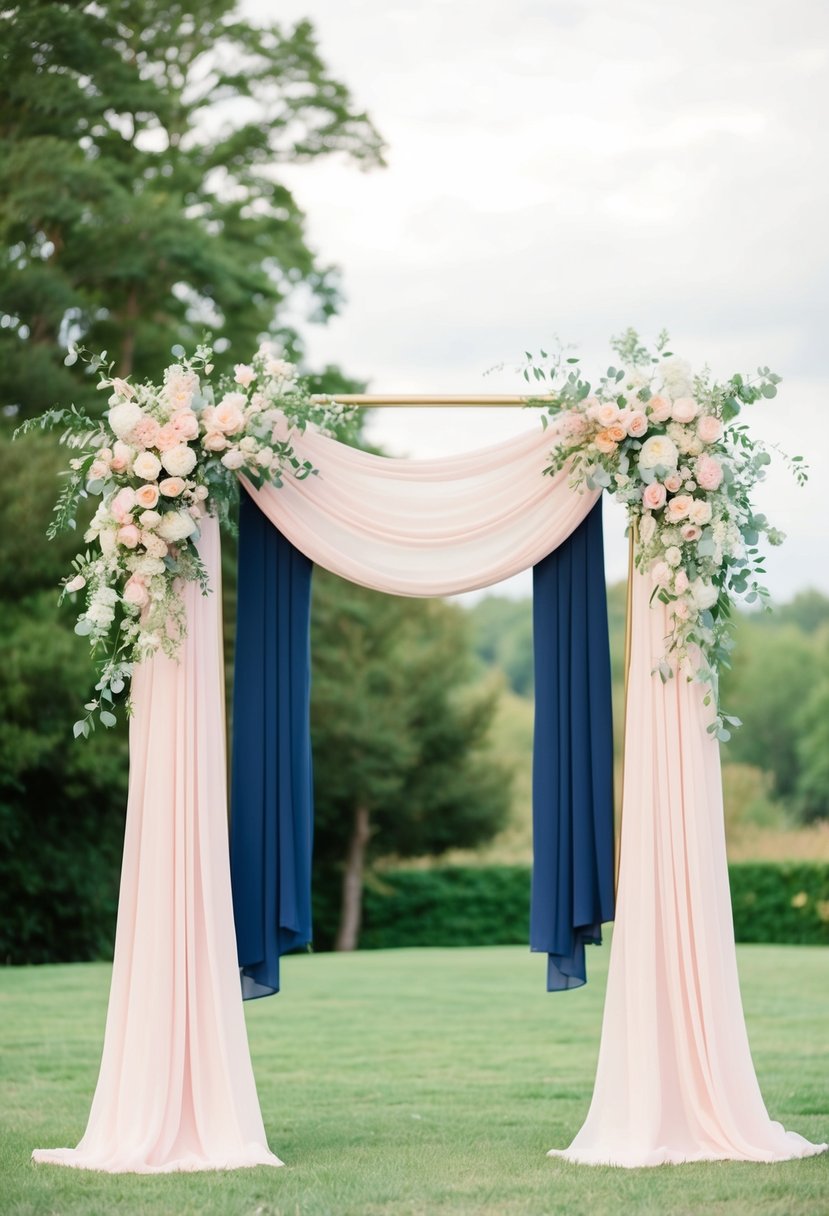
176	1089
675	1079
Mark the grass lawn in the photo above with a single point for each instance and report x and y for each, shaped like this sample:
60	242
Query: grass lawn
413	1082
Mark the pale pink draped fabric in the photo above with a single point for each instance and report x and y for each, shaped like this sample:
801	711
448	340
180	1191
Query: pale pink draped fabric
675	1079
426	527
176	1089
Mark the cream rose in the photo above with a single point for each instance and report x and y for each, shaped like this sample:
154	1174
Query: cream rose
214	441
146	466
150	519
700	512
658	451
175	526
179	461
234	459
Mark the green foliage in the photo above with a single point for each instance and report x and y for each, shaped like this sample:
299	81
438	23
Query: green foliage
397	729
139	209
489	905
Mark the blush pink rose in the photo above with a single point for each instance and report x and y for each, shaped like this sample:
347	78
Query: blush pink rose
128	536
709	472
637	424
135	592
146	497
573	423
186	425
678	507
654	496
673	482
214	441
122	504
145	433
685	409
171	487
121	456
98	470
681	582
659	409
243	374
661	574
709	428
167	438
690	532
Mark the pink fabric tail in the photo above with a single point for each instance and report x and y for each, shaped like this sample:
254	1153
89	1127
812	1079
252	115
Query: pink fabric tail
675	1079
176	1089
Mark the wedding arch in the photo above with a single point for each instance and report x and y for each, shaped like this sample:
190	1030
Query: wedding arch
675	1079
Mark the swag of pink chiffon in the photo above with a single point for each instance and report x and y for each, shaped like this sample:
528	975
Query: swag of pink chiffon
675	1079
175	1089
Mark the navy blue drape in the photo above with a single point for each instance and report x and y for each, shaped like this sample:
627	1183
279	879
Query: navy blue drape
272	787
573	859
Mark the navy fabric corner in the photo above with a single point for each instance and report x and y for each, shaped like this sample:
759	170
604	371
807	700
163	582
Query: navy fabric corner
573	848
272	784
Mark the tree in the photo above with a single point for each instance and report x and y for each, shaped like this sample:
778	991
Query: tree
399	736
140	145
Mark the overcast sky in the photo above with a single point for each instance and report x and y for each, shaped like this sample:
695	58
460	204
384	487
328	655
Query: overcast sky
572	167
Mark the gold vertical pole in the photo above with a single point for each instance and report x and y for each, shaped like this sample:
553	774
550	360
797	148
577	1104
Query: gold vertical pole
632	538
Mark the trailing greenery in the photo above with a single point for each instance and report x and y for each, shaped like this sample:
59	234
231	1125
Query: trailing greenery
489	905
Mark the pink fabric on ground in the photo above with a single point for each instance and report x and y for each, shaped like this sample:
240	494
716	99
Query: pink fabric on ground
176	1089
426	527
675	1079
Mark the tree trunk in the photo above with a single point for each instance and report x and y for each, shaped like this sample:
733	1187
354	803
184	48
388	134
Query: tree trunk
351	907
130	315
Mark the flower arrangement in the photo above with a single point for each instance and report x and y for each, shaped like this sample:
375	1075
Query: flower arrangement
162	457
668	444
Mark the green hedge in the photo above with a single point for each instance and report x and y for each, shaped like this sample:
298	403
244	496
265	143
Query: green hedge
468	906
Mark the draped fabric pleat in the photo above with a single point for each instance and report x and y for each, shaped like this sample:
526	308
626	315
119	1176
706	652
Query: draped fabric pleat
175	1089
573	856
271	791
675	1079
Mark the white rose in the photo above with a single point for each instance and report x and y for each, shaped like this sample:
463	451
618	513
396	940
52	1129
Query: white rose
705	594
234	459
179	461
124	417
264	457
176	525
150	519
146	466
658	450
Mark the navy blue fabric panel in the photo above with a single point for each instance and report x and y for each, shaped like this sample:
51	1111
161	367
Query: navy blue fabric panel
272	786
573	854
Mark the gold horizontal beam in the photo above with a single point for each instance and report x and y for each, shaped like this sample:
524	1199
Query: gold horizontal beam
445	400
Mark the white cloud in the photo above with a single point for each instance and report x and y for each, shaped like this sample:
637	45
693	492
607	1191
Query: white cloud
571	167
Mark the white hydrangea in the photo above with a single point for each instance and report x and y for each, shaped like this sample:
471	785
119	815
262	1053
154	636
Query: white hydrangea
176	525
124	418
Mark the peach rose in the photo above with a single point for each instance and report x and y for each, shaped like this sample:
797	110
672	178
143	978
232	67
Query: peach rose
214	441
135	592
678	507
654	496
605	415
604	443
709	428
185	424
685	409
171	487
659	409
146	497
673	482
637	424
709	472
128	536
228	417
616	432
